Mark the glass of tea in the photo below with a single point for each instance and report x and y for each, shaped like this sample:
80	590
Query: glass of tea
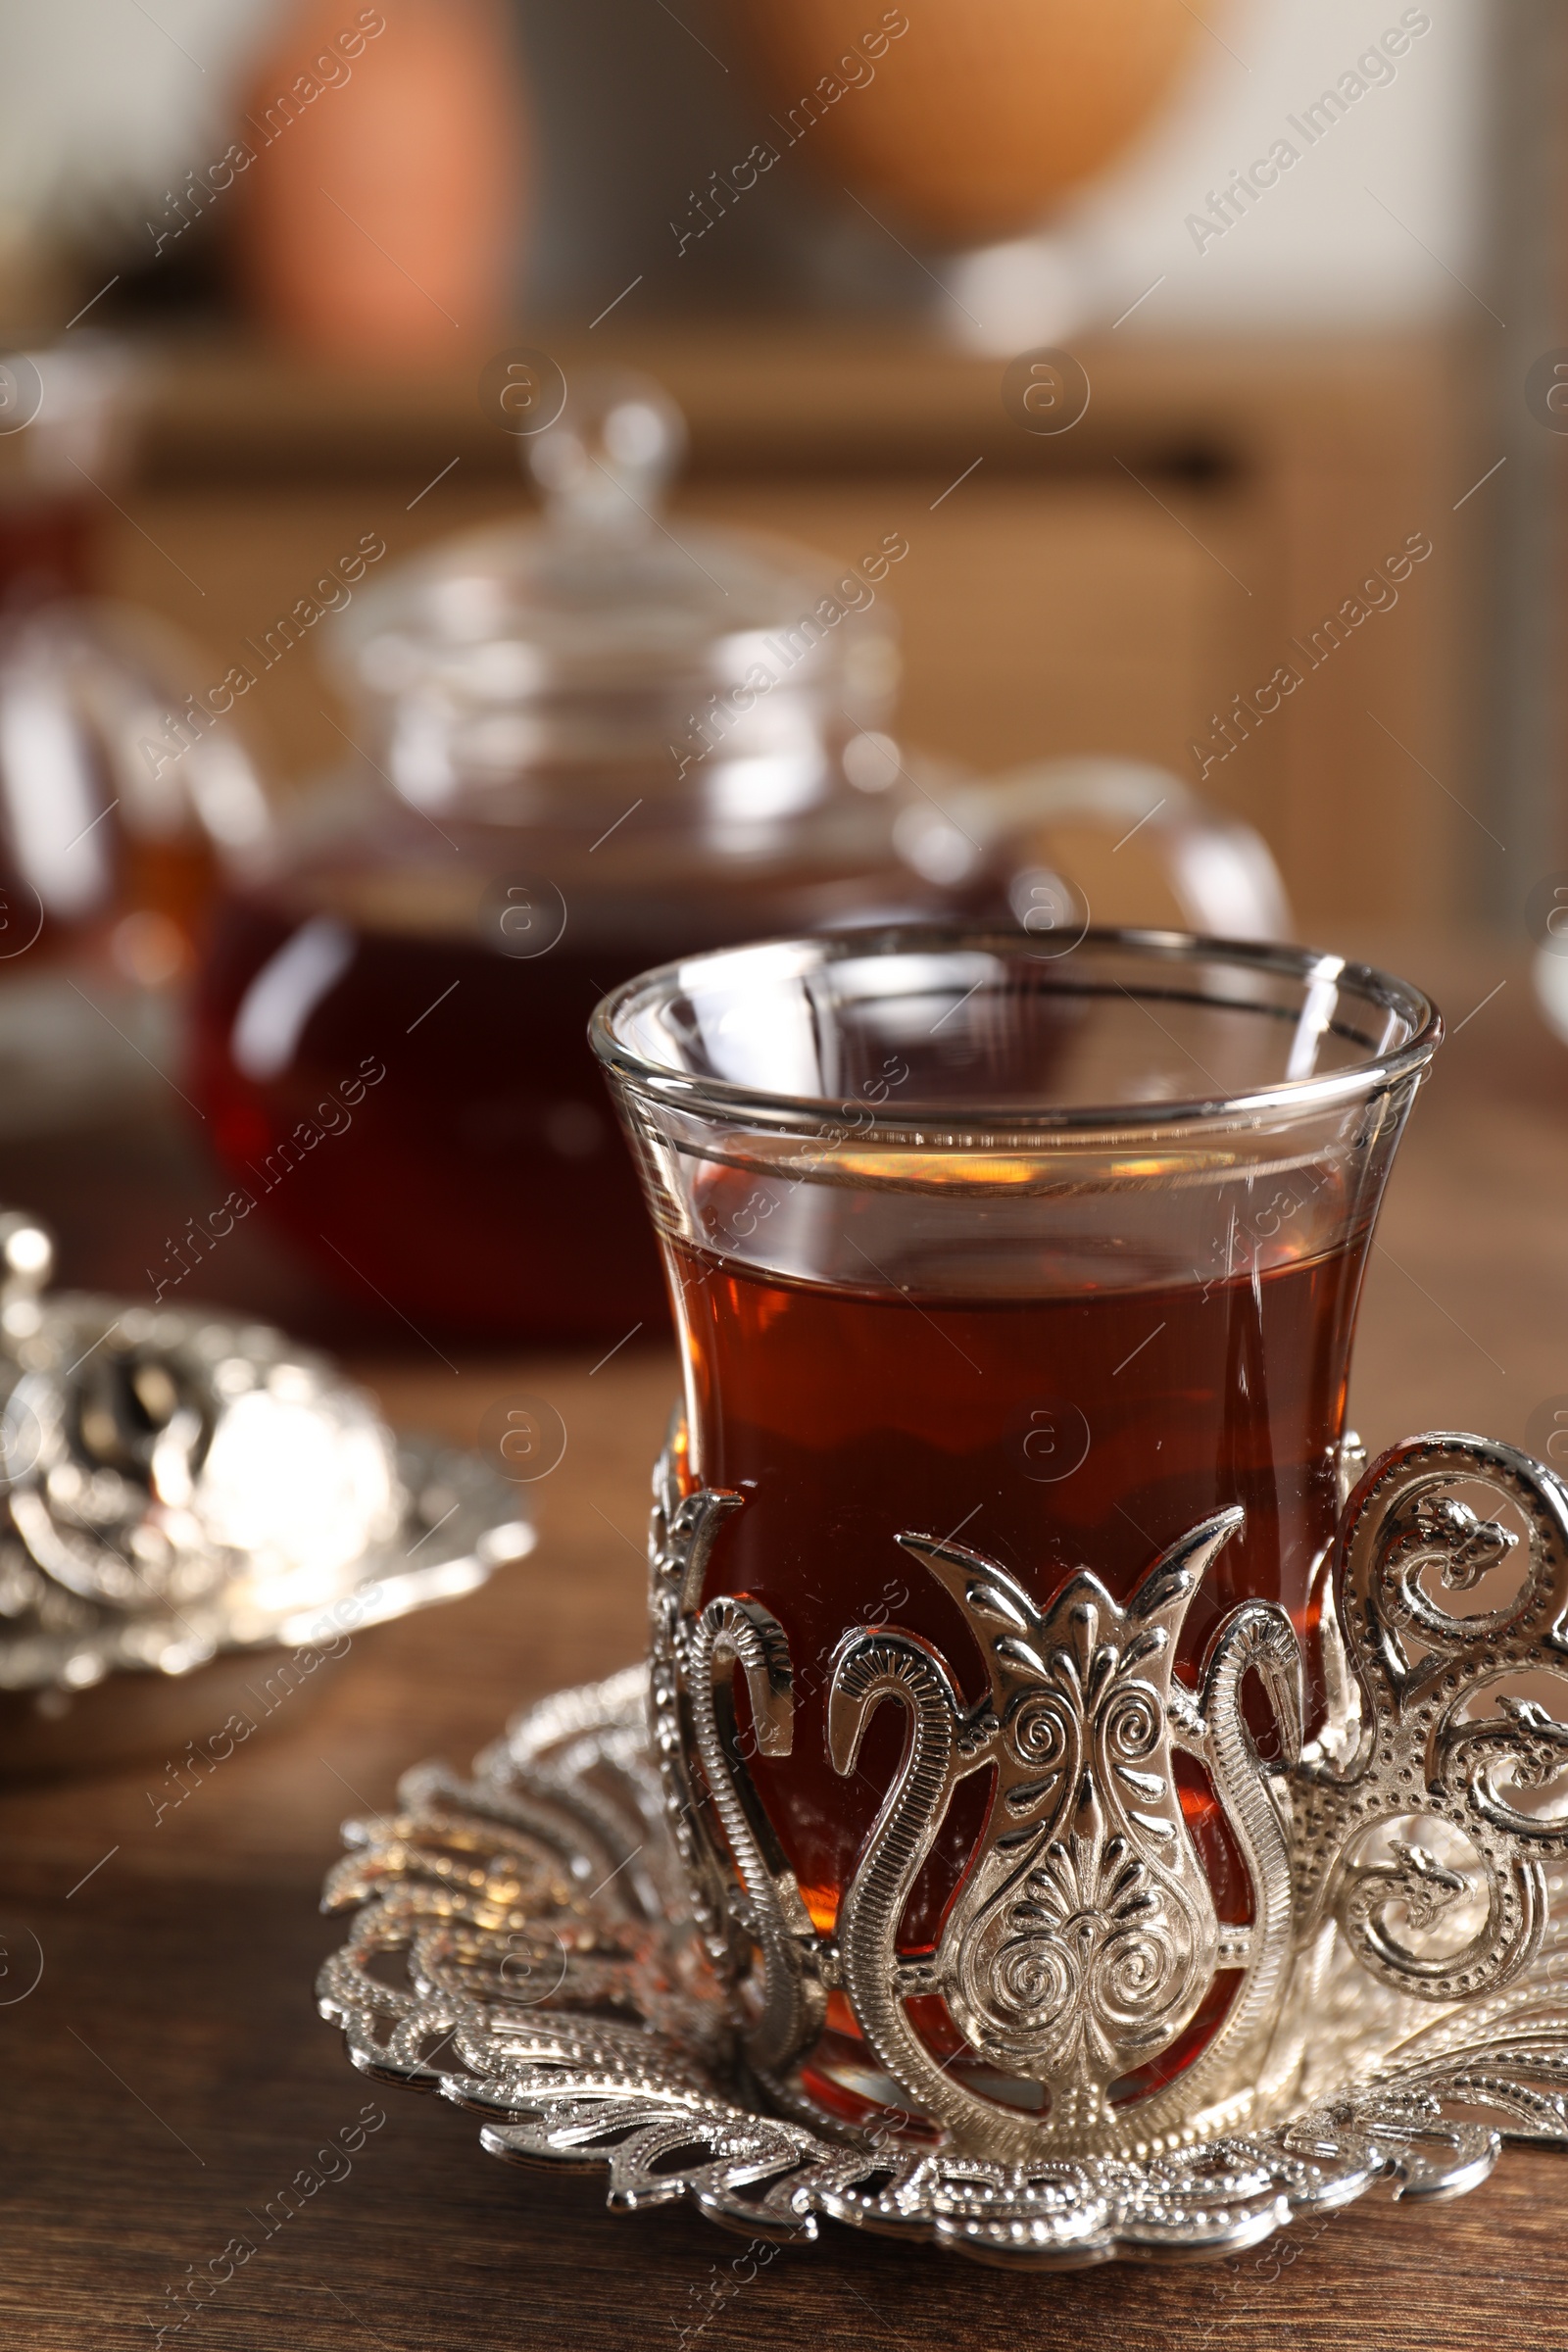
1015	1282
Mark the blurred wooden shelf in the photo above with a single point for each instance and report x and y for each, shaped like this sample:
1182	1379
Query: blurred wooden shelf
1109	589
770	397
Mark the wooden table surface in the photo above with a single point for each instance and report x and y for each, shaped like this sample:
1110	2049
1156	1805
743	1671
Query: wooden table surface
168	2075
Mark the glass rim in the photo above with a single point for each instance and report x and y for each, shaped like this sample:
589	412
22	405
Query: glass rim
759	1107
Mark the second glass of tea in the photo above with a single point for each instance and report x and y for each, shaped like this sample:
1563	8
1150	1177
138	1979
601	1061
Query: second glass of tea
1051	1255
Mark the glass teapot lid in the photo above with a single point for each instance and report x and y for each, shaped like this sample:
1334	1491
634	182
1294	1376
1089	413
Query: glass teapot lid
604	596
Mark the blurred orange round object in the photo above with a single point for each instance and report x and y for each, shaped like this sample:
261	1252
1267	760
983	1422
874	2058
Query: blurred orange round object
970	117
379	215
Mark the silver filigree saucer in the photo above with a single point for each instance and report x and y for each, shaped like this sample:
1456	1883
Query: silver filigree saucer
558	1987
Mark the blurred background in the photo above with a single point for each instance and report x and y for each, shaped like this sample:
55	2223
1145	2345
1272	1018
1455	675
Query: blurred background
1128	438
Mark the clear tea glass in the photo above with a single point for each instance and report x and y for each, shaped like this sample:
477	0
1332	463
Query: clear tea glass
1052	1256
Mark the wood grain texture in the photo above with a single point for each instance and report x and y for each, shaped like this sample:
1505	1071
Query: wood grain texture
168	2077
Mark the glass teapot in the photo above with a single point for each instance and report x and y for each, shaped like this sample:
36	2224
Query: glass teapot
585	744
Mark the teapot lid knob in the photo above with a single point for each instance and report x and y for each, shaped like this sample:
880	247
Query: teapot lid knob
603	465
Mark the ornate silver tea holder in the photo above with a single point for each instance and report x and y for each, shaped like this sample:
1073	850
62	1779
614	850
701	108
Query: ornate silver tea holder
182	1495
610	1961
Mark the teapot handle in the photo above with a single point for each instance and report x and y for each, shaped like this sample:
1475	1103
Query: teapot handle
1044	839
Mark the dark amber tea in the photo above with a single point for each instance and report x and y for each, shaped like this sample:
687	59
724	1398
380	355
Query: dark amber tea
478	1182
1087	1428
